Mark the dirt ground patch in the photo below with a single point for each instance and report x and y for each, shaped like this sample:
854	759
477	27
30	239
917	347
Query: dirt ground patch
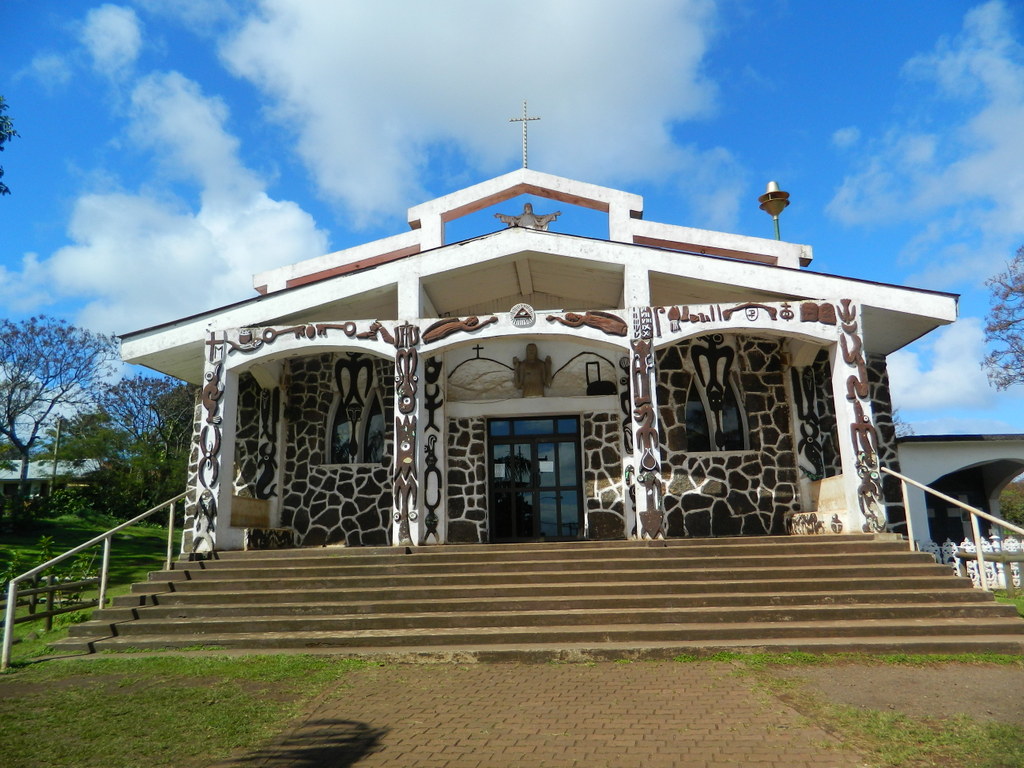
983	692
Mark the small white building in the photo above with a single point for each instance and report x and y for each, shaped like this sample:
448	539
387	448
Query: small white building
530	384
973	469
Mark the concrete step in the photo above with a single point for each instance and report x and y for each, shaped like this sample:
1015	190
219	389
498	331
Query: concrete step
460	550
576	617
426	567
333	556
216	605
1007	630
587	597
666	572
443	593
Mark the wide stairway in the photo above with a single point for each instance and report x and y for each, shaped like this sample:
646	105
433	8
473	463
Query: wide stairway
574	600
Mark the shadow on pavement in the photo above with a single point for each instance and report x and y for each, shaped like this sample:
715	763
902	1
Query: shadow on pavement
317	744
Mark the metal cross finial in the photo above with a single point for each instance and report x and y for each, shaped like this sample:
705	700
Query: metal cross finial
524	120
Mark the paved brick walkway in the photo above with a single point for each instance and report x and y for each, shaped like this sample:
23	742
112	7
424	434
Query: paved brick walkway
647	714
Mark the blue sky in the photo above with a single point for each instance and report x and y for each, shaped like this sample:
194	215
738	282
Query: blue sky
171	148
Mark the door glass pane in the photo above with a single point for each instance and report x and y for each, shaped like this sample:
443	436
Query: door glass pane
504	520
535	427
570	517
499	465
519	466
500	428
524	516
546	462
567	426
567	464
549	525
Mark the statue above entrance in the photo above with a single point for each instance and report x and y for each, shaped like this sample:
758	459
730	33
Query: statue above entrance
532	374
529	219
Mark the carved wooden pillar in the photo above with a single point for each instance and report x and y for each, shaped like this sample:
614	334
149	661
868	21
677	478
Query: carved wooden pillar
646	449
271	442
858	437
219	398
434	431
802	390
406	529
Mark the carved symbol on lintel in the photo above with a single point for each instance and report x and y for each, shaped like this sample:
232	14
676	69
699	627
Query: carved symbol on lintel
522	315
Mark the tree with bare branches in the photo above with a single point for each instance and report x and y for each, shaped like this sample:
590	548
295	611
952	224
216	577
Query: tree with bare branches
1005	327
47	368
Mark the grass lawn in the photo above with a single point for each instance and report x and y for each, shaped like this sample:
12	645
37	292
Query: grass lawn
1017	601
153	711
134	553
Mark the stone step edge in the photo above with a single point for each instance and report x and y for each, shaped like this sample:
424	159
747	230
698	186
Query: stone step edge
541	619
438	556
1012	624
680	542
794	632
991	607
210	577
567	653
867	584
568	564
726	600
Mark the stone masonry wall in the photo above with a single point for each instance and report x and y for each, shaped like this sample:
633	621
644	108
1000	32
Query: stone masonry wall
729	493
467	481
602	475
881	408
332	503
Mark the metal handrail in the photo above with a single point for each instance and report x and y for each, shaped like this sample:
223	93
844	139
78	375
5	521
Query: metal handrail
974	512
105	537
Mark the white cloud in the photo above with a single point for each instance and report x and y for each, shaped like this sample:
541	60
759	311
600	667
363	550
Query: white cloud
142	258
942	371
25	290
970	170
50	69
374	96
846	137
113	37
198	15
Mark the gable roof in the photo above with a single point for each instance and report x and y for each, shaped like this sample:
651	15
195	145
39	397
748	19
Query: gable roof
549	270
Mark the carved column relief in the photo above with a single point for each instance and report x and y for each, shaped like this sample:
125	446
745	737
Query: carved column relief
860	459
647	451
216	447
193	486
810	440
433	450
406	476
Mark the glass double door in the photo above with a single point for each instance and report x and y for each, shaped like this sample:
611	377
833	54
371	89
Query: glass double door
534	474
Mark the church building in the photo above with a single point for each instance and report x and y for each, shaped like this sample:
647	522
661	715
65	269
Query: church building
539	385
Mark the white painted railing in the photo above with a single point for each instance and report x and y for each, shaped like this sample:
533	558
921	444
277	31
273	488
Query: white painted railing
987	575
997	574
105	539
